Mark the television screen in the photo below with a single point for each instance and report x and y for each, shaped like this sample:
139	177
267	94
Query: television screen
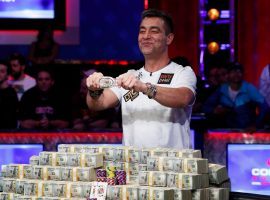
32	14
18	153
42	9
249	168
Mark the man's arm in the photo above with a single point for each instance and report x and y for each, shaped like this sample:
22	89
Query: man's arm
174	97
104	100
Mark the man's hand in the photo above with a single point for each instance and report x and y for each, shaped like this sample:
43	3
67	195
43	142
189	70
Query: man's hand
92	82
130	82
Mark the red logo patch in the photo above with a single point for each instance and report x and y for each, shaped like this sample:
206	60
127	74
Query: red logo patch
165	78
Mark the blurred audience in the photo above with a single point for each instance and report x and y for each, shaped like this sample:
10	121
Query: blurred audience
215	76
84	118
264	83
42	107
234	104
8	100
45	49
264	88
18	79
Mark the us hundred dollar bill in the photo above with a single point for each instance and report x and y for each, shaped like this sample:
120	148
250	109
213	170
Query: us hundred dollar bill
153	178
114	192
143	193
217	173
86	174
67	159
34	160
190	181
91	160
61	189
132	192
47	158
54	173
80	189
20	186
196	165
161	193
65	148
6	196
68	174
33	188
200	194
28	172
15	170
40	172
182	194
219	193
9	185
165	164
48	189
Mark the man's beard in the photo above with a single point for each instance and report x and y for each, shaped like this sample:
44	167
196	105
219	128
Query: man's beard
16	75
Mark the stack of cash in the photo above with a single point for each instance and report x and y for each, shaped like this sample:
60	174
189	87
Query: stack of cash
9	185
47	158
34	160
19	187
6	196
39	172
80	189
200	194
15	170
182	194
92	160
155	163
153	178
33	188
219	193
196	165
217	173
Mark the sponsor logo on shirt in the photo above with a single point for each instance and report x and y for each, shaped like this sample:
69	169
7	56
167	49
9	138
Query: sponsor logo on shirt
165	78
131	95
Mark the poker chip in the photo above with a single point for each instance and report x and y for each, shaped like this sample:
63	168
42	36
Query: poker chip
121	177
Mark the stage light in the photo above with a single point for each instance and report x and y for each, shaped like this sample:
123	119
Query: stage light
213	47
213	14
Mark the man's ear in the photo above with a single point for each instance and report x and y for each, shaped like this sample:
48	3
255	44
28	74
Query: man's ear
170	37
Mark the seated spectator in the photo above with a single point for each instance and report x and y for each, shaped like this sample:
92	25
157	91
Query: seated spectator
83	118
44	50
8	101
234	104
206	87
42	107
18	79
264	83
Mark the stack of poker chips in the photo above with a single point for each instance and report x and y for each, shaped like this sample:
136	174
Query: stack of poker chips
111	179
101	175
121	177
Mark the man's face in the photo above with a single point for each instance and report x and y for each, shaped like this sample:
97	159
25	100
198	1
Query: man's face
152	36
3	73
16	68
44	81
235	76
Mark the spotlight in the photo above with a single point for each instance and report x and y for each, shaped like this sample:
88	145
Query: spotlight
213	14
213	47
